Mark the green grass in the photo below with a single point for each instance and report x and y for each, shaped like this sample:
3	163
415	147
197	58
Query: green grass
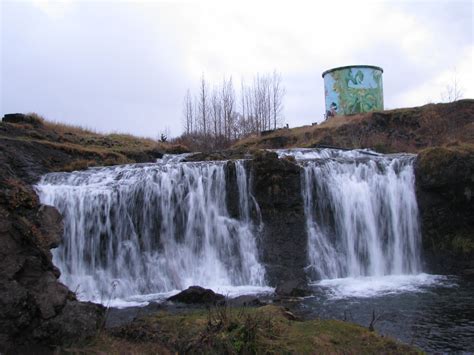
224	330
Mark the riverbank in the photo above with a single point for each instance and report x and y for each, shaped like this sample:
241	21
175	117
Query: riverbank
239	330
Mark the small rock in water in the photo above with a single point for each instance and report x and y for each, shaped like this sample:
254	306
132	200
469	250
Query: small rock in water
197	295
246	300
293	288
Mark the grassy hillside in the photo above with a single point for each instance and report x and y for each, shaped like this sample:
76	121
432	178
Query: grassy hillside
51	146
401	130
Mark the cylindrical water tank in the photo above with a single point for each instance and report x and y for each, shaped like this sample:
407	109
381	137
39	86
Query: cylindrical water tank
353	89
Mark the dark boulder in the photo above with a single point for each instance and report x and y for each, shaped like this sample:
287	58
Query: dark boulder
217	155
197	295
77	320
246	301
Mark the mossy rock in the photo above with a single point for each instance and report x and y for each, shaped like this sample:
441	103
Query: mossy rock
440	166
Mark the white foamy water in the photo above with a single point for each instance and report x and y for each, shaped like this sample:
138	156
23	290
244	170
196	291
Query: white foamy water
138	233
228	291
149	229
361	216
375	286
362	221
324	153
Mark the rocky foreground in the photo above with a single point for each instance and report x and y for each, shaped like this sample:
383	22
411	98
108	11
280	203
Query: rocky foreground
36	310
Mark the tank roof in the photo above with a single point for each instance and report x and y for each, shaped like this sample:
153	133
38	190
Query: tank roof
351	66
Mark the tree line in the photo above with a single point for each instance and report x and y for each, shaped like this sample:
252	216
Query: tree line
216	116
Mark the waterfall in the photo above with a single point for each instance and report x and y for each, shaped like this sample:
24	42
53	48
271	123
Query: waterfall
150	228
361	213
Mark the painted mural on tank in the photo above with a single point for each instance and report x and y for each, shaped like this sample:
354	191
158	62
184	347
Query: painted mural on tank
352	90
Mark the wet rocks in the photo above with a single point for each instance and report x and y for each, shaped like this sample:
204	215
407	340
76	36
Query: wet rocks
51	226
445	183
197	295
77	320
293	288
283	243
35	308
246	301
218	155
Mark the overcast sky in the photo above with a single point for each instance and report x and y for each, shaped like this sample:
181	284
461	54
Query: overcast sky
126	65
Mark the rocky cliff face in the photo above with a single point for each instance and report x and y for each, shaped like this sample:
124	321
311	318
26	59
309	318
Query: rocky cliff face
445	193
277	189
35	308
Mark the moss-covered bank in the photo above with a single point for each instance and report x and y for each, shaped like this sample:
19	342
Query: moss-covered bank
223	330
445	189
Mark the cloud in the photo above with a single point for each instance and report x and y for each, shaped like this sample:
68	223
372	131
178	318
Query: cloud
434	90
126	65
54	8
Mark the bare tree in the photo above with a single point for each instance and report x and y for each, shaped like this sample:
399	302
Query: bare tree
188	113
228	106
278	92
212	119
203	106
216	113
453	90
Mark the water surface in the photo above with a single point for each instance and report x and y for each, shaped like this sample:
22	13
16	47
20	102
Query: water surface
435	313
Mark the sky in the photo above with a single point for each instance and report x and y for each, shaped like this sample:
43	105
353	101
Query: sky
125	66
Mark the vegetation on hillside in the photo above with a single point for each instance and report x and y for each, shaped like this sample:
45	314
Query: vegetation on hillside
82	147
400	130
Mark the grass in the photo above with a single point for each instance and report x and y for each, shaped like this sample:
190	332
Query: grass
399	130
436	157
85	147
81	135
224	330
303	137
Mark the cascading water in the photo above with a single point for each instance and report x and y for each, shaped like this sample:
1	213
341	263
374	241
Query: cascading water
361	212
364	251
151	228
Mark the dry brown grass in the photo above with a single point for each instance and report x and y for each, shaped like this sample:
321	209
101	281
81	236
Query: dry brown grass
72	147
399	130
337	121
63	128
86	137
304	136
